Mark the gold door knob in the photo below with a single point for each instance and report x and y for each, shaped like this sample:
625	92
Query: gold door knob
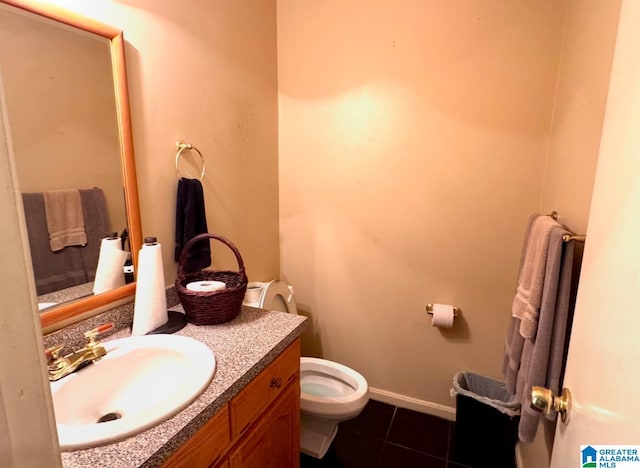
543	399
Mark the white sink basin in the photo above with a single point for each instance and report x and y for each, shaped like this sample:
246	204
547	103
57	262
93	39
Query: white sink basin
142	381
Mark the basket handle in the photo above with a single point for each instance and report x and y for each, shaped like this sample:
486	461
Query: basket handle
224	240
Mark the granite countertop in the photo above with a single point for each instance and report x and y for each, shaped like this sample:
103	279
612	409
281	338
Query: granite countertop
64	295
242	347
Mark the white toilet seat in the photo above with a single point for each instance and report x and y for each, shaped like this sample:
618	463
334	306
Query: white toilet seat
330	389
276	293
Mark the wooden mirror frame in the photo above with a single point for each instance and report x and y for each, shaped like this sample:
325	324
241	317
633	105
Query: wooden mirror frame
65	312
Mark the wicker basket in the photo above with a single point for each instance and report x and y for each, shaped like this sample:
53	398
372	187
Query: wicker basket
209	308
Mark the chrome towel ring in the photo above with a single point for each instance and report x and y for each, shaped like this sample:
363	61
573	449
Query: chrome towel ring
181	145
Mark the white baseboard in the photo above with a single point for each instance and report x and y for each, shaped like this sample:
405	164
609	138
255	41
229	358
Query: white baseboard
422	406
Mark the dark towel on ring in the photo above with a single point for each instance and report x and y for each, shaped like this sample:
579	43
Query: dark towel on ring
191	220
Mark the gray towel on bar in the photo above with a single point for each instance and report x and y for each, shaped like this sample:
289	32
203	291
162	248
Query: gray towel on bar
65	220
512	355
543	356
528	297
52	270
72	265
97	225
515	341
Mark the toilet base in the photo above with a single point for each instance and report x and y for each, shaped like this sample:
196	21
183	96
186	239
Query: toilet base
316	435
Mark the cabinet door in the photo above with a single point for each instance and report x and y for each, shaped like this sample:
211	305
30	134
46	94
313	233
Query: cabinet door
206	446
222	464
274	441
264	389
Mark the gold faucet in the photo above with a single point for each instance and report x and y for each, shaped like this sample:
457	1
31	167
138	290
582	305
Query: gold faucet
61	366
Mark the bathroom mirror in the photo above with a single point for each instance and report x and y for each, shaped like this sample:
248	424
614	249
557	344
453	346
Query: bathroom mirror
68	111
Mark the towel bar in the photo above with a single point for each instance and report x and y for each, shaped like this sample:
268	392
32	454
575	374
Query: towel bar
181	145
568	237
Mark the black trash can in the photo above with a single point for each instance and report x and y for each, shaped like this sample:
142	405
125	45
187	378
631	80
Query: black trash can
487	418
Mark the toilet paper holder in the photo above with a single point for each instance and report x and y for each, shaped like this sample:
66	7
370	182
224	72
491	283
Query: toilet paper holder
457	312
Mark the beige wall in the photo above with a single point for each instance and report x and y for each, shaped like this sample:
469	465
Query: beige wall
589	34
412	149
204	72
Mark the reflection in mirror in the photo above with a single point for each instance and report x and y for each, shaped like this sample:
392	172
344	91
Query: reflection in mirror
69	122
61	105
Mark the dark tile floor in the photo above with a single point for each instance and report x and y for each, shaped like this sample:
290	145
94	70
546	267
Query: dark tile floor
384	436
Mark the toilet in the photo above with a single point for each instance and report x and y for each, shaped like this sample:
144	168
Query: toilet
330	392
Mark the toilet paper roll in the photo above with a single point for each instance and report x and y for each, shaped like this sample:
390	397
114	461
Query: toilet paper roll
150	307
206	286
442	316
109	272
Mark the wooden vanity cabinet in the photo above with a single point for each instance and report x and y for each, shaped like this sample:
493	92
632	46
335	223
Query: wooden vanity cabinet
259	427
206	446
274	442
